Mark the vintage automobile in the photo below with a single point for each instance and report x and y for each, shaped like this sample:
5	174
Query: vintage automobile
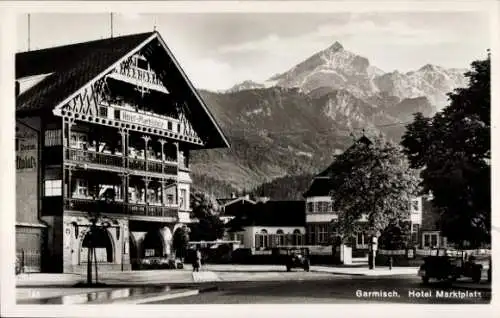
473	267
440	267
450	268
296	258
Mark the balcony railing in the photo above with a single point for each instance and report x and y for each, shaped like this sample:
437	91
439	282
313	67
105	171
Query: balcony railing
104	159
93	157
93	206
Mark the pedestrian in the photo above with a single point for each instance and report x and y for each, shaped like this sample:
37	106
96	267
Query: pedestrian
197	261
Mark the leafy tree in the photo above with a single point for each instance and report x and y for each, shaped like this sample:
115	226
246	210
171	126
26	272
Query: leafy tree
372	178
180	241
452	150
395	236
205	209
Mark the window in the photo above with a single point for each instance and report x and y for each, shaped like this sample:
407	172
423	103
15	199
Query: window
261	240
53	188
81	189
310	207
415	227
53	138
361	240
329	207
427	242
297	237
322	234
431	240
280	237
142	64
182	199
311	231
434	240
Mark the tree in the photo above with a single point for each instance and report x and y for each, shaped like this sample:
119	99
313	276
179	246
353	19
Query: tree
395	236
452	150
371	178
181	241
209	226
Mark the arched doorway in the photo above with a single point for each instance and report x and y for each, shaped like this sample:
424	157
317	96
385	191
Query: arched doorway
153	244
102	243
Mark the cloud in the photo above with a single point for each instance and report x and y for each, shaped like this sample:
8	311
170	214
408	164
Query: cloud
374	29
254	45
212	74
130	16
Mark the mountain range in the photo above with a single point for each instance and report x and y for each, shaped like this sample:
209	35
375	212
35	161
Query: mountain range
295	123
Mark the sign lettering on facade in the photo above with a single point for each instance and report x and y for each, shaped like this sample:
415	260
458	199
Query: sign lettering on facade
26	150
144	120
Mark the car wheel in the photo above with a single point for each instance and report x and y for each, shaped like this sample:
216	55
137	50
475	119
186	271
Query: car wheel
477	277
306	268
288	268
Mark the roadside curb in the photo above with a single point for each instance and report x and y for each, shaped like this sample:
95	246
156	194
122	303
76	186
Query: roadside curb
167	296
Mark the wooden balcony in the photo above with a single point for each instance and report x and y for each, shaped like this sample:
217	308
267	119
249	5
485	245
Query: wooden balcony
111	160
107	207
92	157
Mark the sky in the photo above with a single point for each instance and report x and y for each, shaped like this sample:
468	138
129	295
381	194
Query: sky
219	50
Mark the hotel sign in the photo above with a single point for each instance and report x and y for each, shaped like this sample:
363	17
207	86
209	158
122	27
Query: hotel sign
26	149
145	120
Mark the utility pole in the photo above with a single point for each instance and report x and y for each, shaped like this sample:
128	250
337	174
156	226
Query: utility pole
29	32
111	24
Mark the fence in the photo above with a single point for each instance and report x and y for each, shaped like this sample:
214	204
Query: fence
29	261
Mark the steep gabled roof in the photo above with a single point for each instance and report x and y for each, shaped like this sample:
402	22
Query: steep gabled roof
72	66
76	65
271	213
320	185
224	202
331	169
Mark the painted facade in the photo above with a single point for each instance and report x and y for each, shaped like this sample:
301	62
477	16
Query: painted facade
113	145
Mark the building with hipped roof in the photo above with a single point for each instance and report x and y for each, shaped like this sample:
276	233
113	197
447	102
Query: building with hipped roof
265	225
320	216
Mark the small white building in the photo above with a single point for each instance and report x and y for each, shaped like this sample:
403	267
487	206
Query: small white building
265	225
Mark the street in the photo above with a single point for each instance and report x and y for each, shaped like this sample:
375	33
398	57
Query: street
251	284
333	289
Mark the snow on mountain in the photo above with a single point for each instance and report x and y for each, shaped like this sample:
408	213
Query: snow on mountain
333	67
431	81
339	69
246	85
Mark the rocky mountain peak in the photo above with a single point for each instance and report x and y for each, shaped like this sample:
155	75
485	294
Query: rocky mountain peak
335	47
429	67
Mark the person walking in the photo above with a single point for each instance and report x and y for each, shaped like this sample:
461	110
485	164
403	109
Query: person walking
197	261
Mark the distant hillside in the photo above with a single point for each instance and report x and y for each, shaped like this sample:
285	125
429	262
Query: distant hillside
292	125
285	188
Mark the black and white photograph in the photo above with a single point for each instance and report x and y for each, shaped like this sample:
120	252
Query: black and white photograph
231	156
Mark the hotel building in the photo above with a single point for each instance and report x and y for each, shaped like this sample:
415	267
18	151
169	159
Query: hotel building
104	128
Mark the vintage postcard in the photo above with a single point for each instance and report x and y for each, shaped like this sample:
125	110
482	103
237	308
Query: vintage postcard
252	153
